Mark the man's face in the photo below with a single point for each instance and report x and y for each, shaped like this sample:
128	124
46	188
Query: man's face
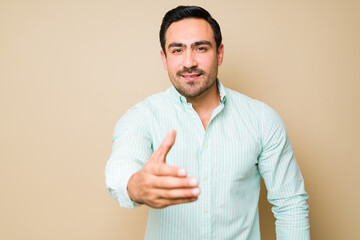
191	58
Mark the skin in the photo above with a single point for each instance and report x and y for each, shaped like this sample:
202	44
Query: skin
191	61
158	184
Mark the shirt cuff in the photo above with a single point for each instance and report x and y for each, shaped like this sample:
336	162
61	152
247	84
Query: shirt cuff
117	177
125	200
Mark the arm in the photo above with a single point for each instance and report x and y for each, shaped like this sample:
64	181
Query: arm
131	148
283	180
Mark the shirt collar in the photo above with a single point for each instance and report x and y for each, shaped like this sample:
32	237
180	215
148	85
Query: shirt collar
180	98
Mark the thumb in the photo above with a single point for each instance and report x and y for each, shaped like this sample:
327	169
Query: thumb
166	145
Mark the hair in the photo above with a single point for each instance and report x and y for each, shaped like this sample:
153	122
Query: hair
183	12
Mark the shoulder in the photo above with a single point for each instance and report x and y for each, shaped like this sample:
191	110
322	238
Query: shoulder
257	113
249	105
153	103
144	111
148	105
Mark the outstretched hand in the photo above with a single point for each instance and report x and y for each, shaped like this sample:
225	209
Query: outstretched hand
158	184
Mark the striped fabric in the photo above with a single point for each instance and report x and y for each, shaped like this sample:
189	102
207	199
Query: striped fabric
245	140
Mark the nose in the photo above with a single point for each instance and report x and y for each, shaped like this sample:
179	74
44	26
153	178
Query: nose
190	60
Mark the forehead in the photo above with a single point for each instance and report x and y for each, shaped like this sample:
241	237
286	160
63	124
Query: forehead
188	31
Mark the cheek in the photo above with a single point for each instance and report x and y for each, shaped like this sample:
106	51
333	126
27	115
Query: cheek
207	60
173	65
209	64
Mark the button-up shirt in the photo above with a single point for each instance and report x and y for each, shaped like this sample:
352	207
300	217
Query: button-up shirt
245	140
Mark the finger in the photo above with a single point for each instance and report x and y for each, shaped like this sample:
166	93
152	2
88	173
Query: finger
174	182
166	145
161	169
178	193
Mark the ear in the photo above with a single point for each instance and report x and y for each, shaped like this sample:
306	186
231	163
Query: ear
220	54
163	58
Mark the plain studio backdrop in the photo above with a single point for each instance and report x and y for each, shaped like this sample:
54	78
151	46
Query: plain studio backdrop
70	69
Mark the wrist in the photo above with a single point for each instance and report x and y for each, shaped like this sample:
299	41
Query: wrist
131	189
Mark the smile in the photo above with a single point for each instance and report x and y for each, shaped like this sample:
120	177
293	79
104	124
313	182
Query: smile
191	77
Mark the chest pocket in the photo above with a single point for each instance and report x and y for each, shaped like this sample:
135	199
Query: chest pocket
234	161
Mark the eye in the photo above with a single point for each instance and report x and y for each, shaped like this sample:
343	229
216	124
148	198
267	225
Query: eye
201	49
176	51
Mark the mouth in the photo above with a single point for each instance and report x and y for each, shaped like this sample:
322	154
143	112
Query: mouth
191	77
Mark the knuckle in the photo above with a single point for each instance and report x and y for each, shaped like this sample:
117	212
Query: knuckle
163	183
189	193
165	146
167	169
154	201
185	182
152	198
167	194
158	204
161	158
154	156
151	168
146	194
147	183
147	167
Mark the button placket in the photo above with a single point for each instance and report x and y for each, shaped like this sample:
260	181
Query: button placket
205	165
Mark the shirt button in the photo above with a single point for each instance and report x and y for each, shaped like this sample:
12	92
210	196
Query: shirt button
193	116
206	178
205	211
205	145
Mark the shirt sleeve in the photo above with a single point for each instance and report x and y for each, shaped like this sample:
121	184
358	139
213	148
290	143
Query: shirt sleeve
283	180
132	147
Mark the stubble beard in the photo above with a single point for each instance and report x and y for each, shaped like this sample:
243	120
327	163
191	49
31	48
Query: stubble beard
193	89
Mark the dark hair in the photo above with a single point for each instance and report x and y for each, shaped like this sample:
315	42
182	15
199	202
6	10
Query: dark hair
182	12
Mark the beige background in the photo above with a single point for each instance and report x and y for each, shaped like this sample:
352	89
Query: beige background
70	69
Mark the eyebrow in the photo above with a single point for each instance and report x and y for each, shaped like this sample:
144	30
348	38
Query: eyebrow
175	44
204	42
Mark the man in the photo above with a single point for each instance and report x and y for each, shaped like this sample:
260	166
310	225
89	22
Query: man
206	183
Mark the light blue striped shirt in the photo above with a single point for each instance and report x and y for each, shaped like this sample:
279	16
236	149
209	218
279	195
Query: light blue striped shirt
245	140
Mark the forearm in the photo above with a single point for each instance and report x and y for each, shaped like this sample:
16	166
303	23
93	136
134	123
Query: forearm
131	148
292	218
118	173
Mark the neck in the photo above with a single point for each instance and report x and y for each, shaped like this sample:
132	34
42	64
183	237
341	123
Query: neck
208	100
205	104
